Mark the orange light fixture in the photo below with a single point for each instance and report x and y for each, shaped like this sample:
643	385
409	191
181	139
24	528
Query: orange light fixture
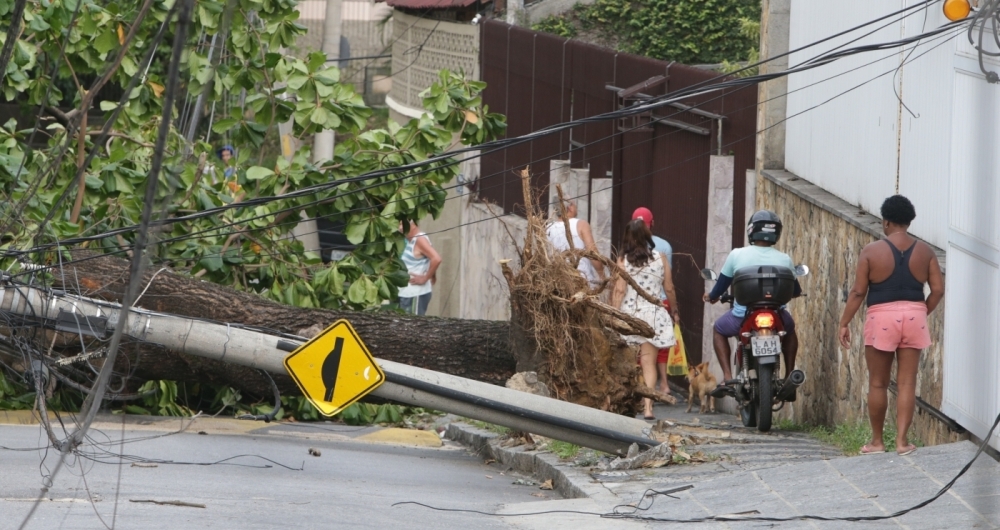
956	9
764	320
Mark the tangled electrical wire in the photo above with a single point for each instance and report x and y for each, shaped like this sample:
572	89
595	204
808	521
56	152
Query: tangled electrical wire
441	161
987	15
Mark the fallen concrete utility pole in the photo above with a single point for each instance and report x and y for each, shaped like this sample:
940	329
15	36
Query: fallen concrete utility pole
517	410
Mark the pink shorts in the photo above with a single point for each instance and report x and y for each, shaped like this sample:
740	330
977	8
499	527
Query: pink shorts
895	325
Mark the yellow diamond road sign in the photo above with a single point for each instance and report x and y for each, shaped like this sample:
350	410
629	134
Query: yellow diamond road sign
334	369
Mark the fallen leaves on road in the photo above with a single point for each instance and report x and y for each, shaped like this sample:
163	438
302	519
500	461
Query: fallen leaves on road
540	495
523	482
547	485
655	463
315	452
489	476
489	461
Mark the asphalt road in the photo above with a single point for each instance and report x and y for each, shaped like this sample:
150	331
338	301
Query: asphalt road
353	484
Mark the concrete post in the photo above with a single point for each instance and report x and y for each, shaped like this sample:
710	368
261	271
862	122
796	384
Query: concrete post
718	243
774	26
517	410
323	141
750	204
601	195
515	10
575	186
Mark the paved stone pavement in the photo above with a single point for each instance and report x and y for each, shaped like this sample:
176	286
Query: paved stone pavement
781	475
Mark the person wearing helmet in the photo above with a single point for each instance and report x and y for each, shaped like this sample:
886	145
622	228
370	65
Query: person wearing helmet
763	231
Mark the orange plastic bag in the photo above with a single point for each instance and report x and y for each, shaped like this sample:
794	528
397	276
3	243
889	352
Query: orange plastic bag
677	363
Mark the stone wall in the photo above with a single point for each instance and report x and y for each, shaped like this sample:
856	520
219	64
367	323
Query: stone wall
487	237
827	234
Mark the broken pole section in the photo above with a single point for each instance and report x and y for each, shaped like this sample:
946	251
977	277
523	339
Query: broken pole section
584	426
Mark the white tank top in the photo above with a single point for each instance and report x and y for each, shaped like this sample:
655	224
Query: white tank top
556	232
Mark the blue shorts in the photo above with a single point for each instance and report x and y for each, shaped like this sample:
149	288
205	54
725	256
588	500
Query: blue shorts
729	325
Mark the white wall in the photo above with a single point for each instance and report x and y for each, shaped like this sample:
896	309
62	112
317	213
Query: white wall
865	145
861	144
972	319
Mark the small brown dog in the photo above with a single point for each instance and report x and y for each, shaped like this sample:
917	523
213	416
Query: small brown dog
701	383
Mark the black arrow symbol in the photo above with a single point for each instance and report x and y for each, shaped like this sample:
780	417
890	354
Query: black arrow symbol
331	365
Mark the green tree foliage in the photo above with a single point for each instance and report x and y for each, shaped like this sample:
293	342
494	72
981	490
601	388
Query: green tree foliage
686	31
256	86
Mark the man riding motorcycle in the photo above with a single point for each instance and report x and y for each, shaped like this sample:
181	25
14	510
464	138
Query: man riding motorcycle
763	231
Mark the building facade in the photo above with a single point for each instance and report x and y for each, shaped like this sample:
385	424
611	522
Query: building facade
919	121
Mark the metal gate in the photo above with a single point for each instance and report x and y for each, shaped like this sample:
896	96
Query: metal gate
537	80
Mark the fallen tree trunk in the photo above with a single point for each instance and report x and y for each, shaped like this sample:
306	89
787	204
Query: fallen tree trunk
475	349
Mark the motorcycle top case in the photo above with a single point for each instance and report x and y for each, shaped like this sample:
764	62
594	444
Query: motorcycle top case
763	284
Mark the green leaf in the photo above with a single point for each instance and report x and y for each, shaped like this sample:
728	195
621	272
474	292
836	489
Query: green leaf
257	173
356	231
129	66
94	182
225	125
106	41
358	291
213	261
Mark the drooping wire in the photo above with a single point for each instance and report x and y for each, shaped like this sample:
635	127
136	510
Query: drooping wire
945	36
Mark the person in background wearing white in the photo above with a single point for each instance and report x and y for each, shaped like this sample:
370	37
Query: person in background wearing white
669	298
583	238
422	262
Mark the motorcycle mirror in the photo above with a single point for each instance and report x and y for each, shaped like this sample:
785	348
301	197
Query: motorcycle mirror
709	275
801	270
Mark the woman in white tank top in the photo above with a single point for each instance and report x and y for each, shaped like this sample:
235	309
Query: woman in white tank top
582	239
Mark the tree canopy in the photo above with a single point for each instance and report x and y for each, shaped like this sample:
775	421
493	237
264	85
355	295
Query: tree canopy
98	69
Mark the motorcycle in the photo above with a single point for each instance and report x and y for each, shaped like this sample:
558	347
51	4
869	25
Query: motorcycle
763	290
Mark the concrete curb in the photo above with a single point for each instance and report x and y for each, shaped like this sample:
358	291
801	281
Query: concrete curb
569	481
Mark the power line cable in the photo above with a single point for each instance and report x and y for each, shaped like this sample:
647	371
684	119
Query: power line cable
946	37
447	159
615	513
93	401
498	216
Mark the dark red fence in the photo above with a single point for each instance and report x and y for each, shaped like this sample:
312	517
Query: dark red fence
537	80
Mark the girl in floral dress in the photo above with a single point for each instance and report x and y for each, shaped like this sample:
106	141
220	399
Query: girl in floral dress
649	269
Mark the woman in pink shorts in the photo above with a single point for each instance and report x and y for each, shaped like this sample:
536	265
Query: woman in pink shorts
892	273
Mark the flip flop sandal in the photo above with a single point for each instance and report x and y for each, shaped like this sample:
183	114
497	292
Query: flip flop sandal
650	418
906	451
866	450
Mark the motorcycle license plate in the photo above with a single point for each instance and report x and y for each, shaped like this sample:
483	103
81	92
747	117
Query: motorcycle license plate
763	346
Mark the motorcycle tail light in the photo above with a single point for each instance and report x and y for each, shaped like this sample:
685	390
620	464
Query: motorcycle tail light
764	320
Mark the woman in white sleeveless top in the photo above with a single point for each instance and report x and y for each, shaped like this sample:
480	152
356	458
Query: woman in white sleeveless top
421	262
582	239
650	271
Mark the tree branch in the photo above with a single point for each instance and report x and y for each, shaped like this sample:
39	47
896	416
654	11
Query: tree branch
13	33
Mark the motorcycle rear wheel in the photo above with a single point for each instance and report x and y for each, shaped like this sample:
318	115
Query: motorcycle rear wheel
765	396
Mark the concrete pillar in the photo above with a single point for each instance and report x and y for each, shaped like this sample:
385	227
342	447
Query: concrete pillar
575	186
718	243
601	195
447	241
323	141
515	10
750	205
773	41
